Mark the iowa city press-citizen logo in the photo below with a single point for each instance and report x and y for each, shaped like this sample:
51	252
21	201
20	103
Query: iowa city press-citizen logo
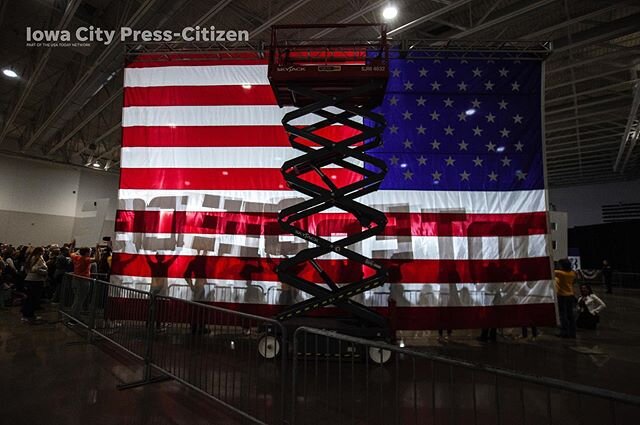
87	35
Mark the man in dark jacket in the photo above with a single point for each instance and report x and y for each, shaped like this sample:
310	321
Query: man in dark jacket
63	265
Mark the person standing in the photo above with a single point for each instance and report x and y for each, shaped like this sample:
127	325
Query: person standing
81	282
36	274
589	308
607	275
565	278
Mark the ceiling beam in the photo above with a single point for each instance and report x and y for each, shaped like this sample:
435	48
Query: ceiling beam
84	122
351	18
608	31
627	137
583	79
568	22
428	17
72	94
597	90
67	16
551	69
518	9
278	17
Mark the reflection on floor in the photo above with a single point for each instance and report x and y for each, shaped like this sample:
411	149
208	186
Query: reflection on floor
608	357
50	375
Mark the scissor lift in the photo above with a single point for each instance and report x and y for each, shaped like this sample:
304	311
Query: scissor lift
336	83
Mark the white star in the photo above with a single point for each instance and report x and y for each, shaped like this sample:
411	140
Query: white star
489	85
462	86
408	175
448	103
503	72
477	131
464	61
515	86
421	101
521	175
504	132
477	162
450	161
493	177
435	145
408	85
516	61
436	175
421	129
393	101
450	73
436	60
519	146
393	129
506	162
435	116
475	103
490	117
491	61
423	72
408	144
406	115
464	176
477	72
422	160
517	119
463	145
503	104
395	72
448	130
462	116
491	146
394	160
435	85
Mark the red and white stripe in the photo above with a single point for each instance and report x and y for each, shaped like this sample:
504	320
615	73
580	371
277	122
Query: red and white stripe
201	188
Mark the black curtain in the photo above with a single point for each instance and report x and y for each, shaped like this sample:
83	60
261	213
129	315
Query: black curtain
617	242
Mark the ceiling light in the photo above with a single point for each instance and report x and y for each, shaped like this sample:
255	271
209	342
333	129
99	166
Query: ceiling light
246	86
500	149
10	73
470	111
96	165
390	12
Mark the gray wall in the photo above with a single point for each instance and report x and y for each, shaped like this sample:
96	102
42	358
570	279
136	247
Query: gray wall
583	203
43	203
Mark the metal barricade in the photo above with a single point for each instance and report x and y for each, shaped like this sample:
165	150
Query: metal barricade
340	379
237	359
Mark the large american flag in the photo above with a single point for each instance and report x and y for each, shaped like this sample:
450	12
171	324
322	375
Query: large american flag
465	196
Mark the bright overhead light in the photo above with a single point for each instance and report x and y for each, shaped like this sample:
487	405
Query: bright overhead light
10	73
246	86
390	12
500	149
470	111
96	165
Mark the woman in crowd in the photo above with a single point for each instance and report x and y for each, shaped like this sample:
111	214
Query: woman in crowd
565	277
589	308
36	274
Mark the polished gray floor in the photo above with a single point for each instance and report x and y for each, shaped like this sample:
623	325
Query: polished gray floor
50	375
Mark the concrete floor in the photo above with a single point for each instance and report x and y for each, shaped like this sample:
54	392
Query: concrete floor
50	375
608	357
